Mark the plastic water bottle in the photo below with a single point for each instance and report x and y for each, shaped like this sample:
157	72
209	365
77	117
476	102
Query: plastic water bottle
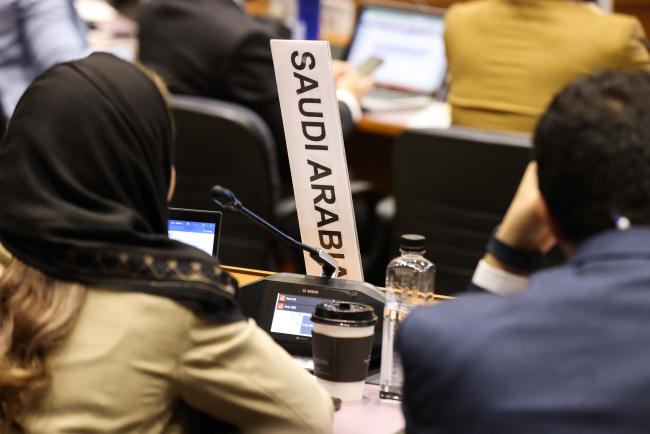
409	283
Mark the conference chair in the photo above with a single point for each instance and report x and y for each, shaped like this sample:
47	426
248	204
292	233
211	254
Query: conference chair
453	186
218	142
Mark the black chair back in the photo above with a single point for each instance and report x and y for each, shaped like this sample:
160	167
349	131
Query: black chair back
223	143
453	186
3	124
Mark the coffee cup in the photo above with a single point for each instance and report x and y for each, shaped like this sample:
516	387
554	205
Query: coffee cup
341	343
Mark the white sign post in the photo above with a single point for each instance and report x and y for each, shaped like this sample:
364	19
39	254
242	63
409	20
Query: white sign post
319	170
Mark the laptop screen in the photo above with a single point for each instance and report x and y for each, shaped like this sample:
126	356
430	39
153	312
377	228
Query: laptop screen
410	43
196	228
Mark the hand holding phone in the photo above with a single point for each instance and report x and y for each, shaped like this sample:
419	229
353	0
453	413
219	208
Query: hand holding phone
369	66
351	79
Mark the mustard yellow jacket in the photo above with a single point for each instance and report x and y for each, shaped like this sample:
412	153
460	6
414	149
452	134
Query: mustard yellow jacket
508	58
133	358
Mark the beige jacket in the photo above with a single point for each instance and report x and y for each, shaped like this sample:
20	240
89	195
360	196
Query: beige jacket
133	357
508	58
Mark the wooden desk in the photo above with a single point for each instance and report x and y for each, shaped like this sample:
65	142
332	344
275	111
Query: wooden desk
393	123
388	124
247	275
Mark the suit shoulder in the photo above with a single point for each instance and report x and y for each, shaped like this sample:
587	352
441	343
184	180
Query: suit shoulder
594	13
464	11
436	337
614	25
460	16
615	19
630	27
449	320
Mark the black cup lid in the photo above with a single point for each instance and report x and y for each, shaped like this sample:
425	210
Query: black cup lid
344	314
412	242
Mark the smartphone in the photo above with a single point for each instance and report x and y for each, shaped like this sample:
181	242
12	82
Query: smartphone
369	66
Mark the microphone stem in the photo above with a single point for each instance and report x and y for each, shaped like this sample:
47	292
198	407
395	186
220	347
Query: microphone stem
226	199
287	239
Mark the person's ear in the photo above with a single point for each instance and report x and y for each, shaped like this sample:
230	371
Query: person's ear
544	214
172	184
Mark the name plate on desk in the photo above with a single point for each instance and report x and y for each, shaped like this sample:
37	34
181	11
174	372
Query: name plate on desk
319	171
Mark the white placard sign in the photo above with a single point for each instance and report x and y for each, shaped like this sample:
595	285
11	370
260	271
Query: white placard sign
319	170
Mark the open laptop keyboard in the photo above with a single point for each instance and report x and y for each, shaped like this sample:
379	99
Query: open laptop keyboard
383	99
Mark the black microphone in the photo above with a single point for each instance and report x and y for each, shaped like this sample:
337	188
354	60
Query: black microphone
225	198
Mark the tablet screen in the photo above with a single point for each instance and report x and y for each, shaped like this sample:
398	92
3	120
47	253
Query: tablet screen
196	228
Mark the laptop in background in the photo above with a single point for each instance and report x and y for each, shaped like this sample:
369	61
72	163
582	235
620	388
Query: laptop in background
411	44
197	228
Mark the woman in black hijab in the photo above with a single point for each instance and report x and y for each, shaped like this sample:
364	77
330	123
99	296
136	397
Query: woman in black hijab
107	325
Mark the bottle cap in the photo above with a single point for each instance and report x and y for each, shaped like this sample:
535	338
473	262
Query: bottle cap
344	314
413	242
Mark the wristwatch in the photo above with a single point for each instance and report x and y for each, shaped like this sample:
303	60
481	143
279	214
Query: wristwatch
514	257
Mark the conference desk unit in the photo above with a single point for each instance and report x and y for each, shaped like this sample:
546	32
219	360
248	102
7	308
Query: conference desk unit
244	276
370	415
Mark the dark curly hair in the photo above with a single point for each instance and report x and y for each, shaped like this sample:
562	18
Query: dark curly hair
593	151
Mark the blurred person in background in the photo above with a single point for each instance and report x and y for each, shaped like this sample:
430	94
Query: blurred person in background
212	48
34	35
106	324
507	58
565	349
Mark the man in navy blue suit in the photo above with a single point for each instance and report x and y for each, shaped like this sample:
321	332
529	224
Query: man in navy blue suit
569	350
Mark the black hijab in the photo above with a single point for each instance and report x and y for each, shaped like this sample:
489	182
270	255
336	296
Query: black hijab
84	174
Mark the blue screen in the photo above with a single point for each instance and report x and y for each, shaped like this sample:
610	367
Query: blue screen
198	234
